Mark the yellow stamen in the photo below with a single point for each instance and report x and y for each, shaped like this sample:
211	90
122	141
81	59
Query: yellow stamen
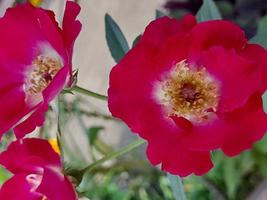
44	70
190	92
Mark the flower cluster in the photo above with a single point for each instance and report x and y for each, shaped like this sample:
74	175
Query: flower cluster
189	88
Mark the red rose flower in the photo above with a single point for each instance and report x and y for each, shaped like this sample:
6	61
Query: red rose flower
35	63
190	88
37	172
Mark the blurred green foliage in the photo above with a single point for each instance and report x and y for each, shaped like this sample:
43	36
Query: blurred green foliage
231	178
246	13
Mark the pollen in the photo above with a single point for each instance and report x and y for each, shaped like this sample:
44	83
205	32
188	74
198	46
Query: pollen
44	70
190	92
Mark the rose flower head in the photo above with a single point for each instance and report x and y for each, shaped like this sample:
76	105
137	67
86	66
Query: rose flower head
189	88
37	172
35	63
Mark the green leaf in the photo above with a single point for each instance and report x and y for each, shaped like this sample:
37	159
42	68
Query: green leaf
93	133
159	14
261	146
261	36
85	184
232	177
116	41
264	99
4	175
246	162
136	40
208	11
177	187
262	164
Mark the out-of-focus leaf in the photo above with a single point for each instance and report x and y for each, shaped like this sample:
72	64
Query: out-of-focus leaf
262	164
85	184
101	187
67	91
116	41
178	14
4	175
247	162
165	187
261	146
208	11
195	189
261	36
93	133
232	177
225	7
136	40
177	187
159	14
20	1
264	99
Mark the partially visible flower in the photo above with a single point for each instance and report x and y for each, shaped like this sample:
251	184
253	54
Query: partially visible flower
190	88
36	2
37	172
53	142
35	63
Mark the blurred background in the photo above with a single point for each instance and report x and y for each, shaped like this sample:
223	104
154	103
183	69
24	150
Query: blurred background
91	133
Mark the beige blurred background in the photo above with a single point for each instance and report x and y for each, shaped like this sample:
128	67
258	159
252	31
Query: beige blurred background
92	56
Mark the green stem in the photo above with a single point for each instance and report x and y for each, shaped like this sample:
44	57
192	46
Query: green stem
89	93
113	155
177	187
98	115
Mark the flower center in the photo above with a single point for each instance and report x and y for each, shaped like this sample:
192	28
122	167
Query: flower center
190	93
44	70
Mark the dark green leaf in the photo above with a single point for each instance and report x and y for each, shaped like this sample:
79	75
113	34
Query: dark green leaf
136	40
20	1
117	43
159	14
262	164
261	36
208	11
93	133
